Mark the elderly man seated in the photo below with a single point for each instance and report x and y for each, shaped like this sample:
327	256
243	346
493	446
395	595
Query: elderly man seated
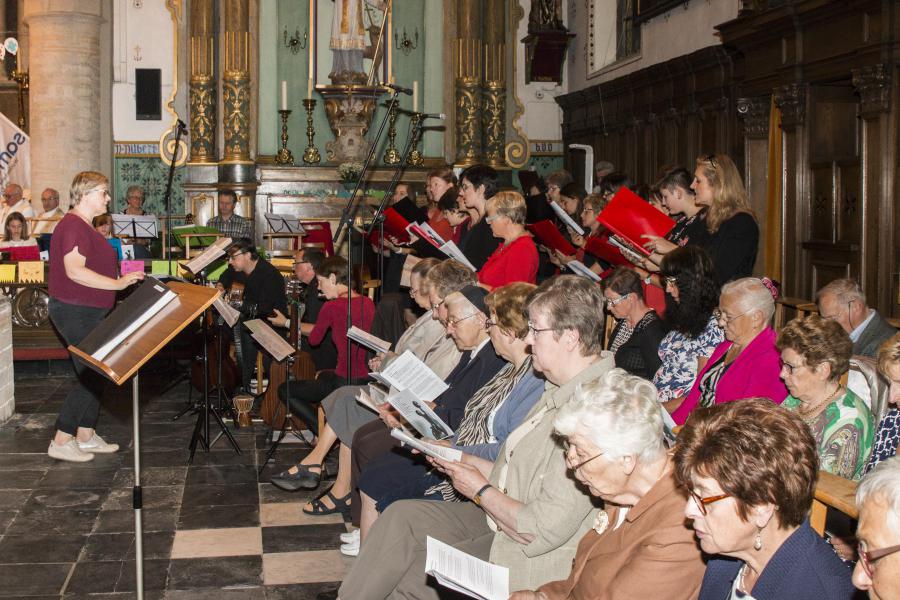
843	301
878	501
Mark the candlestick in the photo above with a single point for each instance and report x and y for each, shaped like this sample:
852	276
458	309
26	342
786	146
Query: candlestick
415	96
284	156
415	158
284	95
391	155
311	154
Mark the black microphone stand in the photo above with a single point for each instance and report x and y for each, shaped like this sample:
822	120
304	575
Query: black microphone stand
348	215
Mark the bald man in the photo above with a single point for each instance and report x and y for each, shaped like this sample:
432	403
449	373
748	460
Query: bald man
47	220
12	197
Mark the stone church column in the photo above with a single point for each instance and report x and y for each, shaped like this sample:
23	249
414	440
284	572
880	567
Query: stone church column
469	68
236	91
64	71
203	82
493	119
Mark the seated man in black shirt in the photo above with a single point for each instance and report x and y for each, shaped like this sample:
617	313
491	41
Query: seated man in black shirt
263	293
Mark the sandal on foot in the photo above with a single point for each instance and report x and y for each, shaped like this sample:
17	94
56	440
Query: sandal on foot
341	505
303	479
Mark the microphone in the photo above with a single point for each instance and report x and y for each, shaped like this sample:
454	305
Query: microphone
181	125
399	89
440	116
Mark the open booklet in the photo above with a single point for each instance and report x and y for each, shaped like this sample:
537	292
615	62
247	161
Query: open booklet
418	414
408	372
368	340
565	218
372	398
452	250
214	251
579	268
427	448
456	570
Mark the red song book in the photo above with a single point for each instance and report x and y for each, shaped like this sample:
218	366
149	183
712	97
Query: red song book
395	225
548	235
630	217
600	247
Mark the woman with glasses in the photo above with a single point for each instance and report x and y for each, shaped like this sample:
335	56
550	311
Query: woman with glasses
591	208
878	500
516	258
747	363
734	233
639	546
750	467
477	185
638	332
82	285
815	354
887	437
691	296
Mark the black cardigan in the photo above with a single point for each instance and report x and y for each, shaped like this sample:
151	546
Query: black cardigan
639	355
733	247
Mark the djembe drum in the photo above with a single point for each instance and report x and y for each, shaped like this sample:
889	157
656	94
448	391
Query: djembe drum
243	403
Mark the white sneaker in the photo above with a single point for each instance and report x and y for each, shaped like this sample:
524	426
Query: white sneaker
69	452
350	549
350	536
96	445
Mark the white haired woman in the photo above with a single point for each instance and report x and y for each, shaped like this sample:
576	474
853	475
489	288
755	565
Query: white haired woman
639	546
878	501
747	363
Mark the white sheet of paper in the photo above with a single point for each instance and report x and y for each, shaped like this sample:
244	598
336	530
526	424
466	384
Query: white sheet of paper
579	268
419	415
368	340
464	573
408	372
271	342
433	450
434	234
565	218
214	251
228	312
453	251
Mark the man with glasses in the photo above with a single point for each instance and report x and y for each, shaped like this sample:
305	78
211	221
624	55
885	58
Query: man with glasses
263	294
48	219
14	202
878	501
843	301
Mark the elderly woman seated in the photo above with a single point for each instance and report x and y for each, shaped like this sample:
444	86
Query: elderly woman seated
878	501
746	364
887	437
640	546
751	469
527	514
815	354
638	332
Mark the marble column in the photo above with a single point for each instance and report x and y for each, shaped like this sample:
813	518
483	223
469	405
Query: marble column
64	70
469	71
203	82
493	87
236	81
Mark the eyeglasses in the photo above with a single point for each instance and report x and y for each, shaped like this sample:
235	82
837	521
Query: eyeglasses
535	330
868	557
491	219
673	281
615	301
103	191
456	321
711	159
718	315
702	502
836	315
566	447
488	323
231	257
436	305
790	368
301	262
587	209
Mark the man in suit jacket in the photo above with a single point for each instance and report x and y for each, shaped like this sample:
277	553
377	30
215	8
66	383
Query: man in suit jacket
843	301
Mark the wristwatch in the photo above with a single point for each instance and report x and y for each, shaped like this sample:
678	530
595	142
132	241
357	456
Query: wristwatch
477	498
648	279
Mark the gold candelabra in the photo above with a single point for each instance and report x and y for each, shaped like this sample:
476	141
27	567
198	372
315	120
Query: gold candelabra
391	155
414	158
311	154
284	156
21	78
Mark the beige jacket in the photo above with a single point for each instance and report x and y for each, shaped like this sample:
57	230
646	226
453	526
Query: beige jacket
557	510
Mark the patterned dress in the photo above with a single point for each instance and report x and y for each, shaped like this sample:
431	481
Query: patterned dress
679	354
887	439
843	432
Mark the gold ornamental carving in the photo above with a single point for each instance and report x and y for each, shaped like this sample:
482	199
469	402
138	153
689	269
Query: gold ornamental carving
236	120
349	110
468	122
203	119
494	123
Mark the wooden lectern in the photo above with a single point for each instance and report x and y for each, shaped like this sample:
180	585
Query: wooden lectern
125	361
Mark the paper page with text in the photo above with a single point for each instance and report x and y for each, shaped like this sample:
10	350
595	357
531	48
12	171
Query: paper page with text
228	312
271	342
433	450
465	573
368	340
453	251
565	218
214	251
408	372
419	415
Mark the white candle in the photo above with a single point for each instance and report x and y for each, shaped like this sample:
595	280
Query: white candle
415	96
309	88
284	95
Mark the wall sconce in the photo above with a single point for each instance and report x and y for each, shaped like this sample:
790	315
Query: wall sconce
294	43
404	43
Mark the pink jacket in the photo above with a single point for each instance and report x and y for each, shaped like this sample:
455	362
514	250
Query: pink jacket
755	372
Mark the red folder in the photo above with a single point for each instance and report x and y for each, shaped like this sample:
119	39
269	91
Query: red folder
548	235
630	217
395	225
18	253
600	247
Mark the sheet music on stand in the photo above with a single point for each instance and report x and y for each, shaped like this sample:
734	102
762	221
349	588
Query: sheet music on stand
228	313
135	226
284	224
271	342
214	251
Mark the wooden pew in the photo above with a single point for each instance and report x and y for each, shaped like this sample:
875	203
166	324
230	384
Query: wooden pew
797	305
834	492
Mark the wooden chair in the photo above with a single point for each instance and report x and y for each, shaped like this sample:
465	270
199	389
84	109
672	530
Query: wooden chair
832	492
800	307
894	322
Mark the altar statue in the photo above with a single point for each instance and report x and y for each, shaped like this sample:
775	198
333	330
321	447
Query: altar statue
348	39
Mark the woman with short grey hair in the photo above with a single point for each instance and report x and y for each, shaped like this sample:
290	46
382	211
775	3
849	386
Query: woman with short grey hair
746	364
878	501
639	546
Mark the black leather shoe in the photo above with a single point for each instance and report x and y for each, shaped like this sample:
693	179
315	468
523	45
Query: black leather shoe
303	479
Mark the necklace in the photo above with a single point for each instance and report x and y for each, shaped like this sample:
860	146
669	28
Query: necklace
811	411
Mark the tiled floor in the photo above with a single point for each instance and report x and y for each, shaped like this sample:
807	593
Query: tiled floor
212	529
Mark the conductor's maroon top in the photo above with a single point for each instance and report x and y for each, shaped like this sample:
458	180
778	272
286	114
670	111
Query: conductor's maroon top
73	232
333	316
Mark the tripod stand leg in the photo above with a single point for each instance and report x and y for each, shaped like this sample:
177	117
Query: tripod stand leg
231	440
286	426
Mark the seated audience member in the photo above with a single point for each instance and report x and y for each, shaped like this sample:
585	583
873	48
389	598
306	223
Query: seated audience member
15	232
516	258
750	467
747	363
536	512
878	501
843	301
47	220
887	436
455	214
638	332
477	185
230	224
15	202
734	234
103	225
640	546
691	297
815	354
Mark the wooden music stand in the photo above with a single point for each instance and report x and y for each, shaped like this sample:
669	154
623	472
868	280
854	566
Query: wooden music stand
125	361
